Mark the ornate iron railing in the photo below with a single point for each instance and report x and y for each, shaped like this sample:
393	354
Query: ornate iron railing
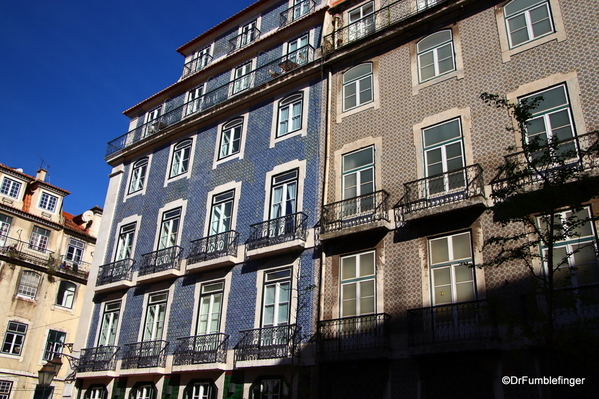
279	230
27	252
115	271
101	358
355	211
442	189
359	333
144	354
268	343
74	267
296	11
453	322
199	349
263	74
161	260
213	247
571	306
580	152
243	39
196	64
389	15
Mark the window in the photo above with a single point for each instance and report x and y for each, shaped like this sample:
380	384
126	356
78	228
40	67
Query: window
423	4
230	139
138	175
48	202
5	388
152	123
110	320
28	284
527	20
575	256
14	338
143	391
452	276
193	101
39	239
5	222
284	194
125	242
96	392
358	181
269	388
242	78
54	344
361	21
552	118
297	51
180	161
155	312
249	33
435	55
201	59
169	228
290	114
277	296
66	294
200	390
210	308
300	8
222	211
10	187
443	153
357	86
358	284
75	250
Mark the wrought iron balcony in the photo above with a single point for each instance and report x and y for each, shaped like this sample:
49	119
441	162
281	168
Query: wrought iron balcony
27	252
175	112
277	231
580	153
392	14
359	333
73	267
453	322
446	188
243	39
144	354
115	271
200	349
213	247
161	260
355	211
196	64
268	343
101	358
296	11
571	306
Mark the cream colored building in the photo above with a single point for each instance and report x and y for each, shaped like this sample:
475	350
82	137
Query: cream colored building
45	255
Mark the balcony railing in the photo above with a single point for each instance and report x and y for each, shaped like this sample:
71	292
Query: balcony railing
243	39
359	333
571	306
115	271
213	97
279	230
446	188
161	260
580	152
74	267
213	247
27	252
296	11
268	343
453	322
200	349
389	15
355	211
144	354
101	358
196	64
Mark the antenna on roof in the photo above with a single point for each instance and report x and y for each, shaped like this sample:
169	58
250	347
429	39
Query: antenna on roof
43	162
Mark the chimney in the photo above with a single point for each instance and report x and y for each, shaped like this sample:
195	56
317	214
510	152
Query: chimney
41	174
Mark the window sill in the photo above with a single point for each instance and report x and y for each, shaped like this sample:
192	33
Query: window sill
458	74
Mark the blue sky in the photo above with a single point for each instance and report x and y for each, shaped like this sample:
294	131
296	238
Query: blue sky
70	68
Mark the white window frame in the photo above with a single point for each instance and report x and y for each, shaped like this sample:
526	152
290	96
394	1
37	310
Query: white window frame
5	223
358	281
154	330
11	188
299	54
54	347
29	284
242	78
39	239
194	99
285	181
277	279
48	202
65	297
355	84
200	390
5	389
289	120
435	52
75	250
17	332
170	228
181	160
201	59
248	33
139	174
359	205
300	8
125	241
284	101
528	23
231	133
108	330
208	316
215	192
221	129
361	21
152	122
218	222
300	166
144	391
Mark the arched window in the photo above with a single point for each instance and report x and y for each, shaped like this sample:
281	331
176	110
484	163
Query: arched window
527	20
66	294
290	114
138	175
435	55
28	284
181	155
230	139
357	86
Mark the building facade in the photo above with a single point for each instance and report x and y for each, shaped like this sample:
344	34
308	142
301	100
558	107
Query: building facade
204	288
45	256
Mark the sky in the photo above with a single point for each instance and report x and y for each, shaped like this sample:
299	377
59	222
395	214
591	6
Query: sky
69	68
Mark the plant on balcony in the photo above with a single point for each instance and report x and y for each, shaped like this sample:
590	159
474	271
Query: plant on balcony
539	199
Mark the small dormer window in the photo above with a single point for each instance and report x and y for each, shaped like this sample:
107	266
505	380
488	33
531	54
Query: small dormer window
10	187
48	202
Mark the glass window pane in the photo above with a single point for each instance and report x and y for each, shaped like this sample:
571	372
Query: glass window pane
439	250
358	159
442	276
357	72
463	273
348	268
434	40
461	246
465	292
443	132
367	264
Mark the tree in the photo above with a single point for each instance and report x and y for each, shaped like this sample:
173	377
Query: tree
540	195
